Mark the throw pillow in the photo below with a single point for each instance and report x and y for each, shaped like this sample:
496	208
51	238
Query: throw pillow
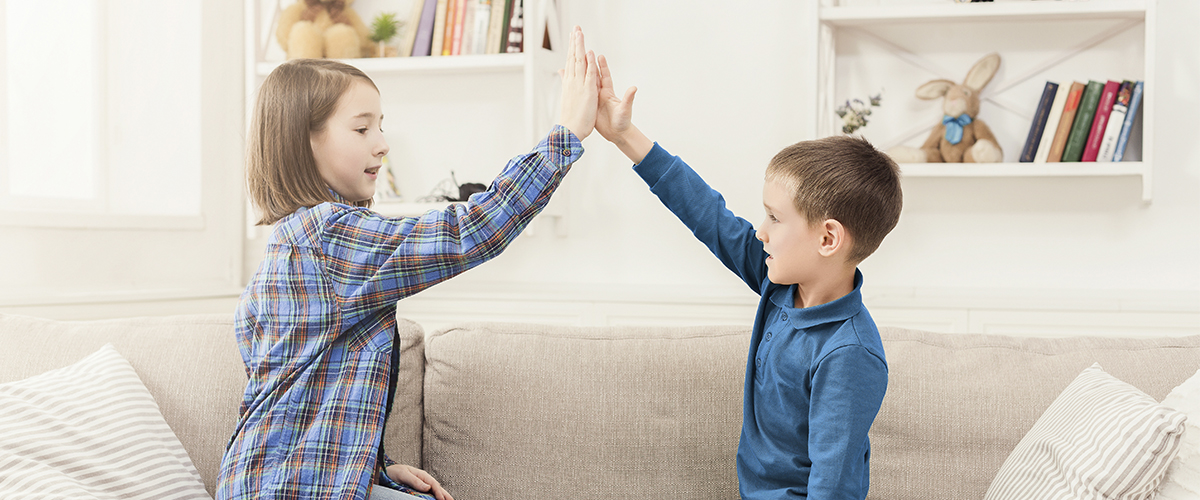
1100	439
1182	481
90	430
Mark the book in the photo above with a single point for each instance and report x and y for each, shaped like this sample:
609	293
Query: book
1056	111
515	35
1122	139
468	27
507	18
1116	118
1074	93
1073	150
495	24
439	27
448	31
411	26
424	41
1091	148
460	15
1038	126
483	21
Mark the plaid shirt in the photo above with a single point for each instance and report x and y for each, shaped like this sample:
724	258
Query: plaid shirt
315	326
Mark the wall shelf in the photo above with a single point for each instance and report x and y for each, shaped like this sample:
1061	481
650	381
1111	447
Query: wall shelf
1051	35
494	63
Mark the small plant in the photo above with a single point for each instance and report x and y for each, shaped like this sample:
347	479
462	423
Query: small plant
855	112
384	27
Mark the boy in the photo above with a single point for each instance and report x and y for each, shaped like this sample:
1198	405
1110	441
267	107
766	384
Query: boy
816	373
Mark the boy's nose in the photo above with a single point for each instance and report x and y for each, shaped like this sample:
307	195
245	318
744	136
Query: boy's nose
382	149
759	234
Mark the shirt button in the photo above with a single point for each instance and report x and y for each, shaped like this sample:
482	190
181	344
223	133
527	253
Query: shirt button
768	335
566	152
785	318
759	362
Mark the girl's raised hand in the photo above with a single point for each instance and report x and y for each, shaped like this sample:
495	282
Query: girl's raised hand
580	87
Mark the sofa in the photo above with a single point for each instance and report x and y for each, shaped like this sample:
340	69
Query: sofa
526	411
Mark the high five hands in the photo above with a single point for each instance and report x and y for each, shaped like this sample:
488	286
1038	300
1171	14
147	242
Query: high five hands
590	102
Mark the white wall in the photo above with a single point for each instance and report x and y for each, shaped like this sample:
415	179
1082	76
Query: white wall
726	90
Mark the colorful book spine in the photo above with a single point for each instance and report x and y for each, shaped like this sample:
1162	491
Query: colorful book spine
483	21
495	24
1074	93
1108	143
411	28
1091	148
508	7
424	40
515	29
439	28
468	28
1073	151
448	31
1056	111
1038	126
1127	127
460	16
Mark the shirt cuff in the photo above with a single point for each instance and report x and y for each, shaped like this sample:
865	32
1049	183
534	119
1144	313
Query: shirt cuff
561	147
654	165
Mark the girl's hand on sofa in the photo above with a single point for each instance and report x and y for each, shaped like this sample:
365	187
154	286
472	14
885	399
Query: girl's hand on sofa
418	479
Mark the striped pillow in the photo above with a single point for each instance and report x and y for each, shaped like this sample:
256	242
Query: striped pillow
90	430
1100	439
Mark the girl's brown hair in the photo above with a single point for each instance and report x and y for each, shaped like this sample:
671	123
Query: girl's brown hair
293	102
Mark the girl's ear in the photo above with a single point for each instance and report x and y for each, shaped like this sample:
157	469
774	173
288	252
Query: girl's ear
833	238
934	89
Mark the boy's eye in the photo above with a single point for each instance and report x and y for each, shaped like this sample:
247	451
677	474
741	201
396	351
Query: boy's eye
362	130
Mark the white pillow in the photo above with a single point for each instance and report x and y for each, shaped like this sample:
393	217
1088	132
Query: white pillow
90	430
1182	481
1100	439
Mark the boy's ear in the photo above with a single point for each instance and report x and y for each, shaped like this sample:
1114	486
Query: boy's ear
834	238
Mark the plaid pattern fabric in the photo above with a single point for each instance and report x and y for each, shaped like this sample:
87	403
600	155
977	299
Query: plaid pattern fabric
315	326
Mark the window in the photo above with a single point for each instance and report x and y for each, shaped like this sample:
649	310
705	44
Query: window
100	108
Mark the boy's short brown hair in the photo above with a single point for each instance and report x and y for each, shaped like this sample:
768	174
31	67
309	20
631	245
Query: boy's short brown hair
294	101
843	178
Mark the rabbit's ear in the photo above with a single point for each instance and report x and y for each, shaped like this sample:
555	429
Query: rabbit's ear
934	89
982	72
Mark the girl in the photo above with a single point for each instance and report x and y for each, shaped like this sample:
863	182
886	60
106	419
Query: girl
316	324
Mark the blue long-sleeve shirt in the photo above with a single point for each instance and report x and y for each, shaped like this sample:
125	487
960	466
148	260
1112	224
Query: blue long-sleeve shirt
815	377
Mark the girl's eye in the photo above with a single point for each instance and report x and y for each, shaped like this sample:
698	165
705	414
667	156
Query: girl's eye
362	131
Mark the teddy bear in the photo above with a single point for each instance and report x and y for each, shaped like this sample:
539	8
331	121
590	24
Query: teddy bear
960	137
322	28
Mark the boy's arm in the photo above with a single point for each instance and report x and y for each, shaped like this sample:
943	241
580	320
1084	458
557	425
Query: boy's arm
701	209
847	391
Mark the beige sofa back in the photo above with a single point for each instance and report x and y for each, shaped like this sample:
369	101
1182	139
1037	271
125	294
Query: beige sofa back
191	366
544	412
957	405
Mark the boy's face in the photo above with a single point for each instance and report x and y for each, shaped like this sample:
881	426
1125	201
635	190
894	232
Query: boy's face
349	150
791	243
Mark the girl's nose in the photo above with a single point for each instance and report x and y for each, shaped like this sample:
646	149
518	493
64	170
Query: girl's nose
383	148
760	235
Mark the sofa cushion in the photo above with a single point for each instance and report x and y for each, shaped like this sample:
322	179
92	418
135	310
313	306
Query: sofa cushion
544	412
1183	476
1101	438
191	365
90	430
958	404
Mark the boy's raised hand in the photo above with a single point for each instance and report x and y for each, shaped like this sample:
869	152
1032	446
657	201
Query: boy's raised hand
615	115
580	87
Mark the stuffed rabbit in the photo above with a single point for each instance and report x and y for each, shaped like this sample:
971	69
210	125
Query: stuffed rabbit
960	137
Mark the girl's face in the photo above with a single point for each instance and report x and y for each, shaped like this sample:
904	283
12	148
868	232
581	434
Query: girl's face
350	148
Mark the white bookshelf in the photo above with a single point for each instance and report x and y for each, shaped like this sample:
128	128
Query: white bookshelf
1055	33
535	72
